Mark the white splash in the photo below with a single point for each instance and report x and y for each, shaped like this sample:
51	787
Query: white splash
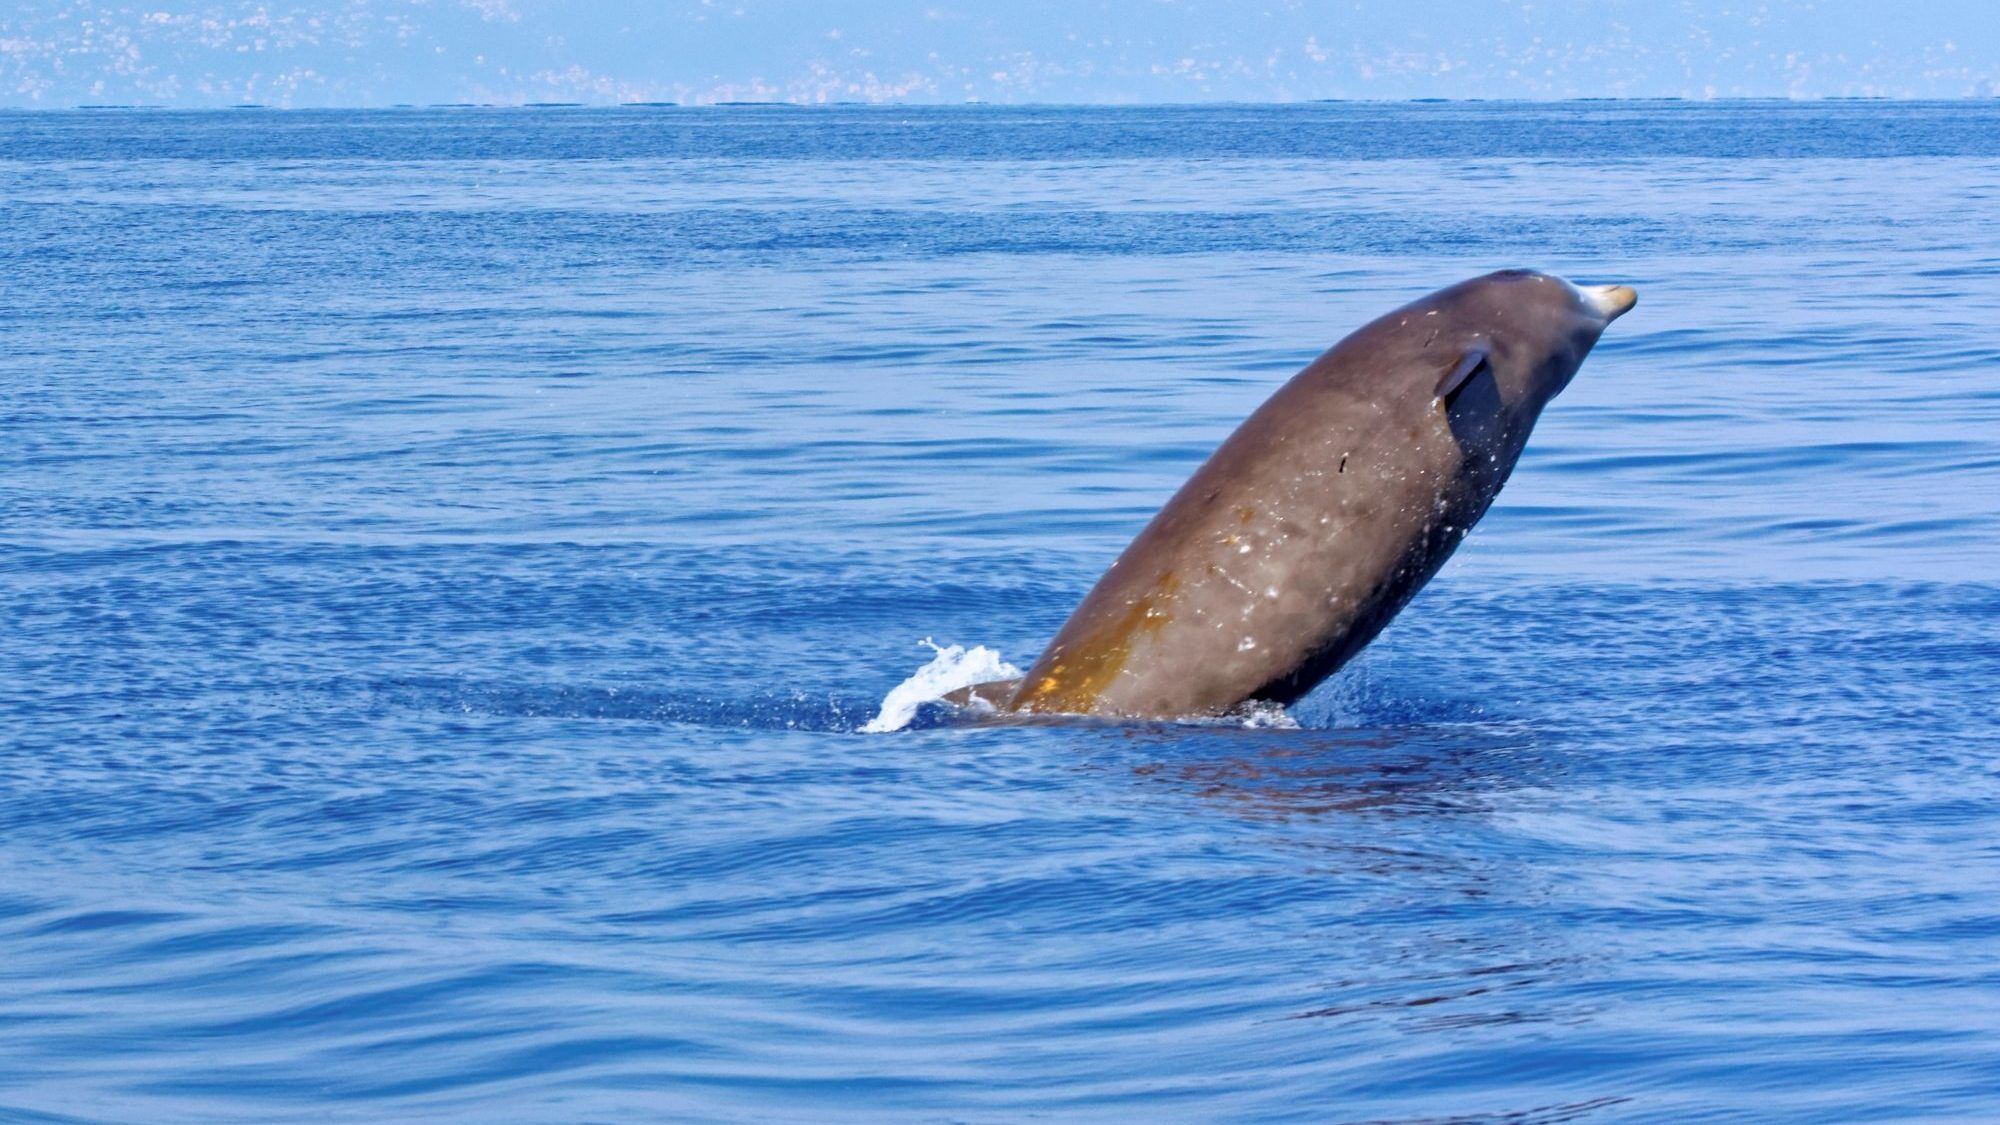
1265	715
952	668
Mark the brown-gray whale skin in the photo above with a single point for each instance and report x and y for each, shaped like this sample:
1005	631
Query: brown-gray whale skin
1325	512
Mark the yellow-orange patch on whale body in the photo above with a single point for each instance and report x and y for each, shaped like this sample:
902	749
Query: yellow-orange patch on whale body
1073	685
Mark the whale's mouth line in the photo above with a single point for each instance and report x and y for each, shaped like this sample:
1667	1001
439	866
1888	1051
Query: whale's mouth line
1609	301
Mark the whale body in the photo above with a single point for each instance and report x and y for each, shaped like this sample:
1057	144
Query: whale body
1324	513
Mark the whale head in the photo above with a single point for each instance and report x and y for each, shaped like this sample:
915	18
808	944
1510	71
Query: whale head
1531	330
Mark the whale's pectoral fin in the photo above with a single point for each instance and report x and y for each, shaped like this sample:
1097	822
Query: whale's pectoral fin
994	694
1461	374
1470	400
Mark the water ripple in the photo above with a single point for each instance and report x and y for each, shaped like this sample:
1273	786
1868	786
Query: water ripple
448	558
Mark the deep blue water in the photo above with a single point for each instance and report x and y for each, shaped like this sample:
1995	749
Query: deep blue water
446	557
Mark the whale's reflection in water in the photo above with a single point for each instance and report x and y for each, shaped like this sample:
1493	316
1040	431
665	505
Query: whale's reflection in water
1411	912
1441	769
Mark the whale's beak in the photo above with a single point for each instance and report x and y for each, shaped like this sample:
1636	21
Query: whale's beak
1609	301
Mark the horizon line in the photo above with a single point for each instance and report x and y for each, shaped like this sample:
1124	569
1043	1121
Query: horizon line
978	103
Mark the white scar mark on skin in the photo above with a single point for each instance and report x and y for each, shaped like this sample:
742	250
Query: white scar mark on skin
1231	579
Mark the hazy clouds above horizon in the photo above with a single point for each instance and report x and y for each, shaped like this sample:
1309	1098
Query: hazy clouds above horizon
381	52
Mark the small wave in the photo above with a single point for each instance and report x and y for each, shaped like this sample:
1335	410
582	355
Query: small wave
953	667
771	711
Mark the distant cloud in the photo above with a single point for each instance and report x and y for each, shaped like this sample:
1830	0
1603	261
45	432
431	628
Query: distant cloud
370	52
490	10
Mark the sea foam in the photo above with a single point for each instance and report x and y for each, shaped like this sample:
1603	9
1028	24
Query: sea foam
952	668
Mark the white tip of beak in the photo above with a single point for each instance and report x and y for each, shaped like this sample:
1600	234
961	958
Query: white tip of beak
1609	301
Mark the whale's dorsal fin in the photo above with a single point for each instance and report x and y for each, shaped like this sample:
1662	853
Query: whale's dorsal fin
1468	365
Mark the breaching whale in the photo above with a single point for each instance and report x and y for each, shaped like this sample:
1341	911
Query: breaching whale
1326	511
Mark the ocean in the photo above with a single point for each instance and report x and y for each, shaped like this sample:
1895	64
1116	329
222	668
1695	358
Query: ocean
448	557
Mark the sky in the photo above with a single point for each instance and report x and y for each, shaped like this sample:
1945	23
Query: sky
192	53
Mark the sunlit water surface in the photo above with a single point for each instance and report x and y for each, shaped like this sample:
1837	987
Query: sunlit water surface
447	558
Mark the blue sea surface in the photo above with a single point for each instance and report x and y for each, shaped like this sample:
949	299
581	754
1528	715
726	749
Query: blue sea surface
447	557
